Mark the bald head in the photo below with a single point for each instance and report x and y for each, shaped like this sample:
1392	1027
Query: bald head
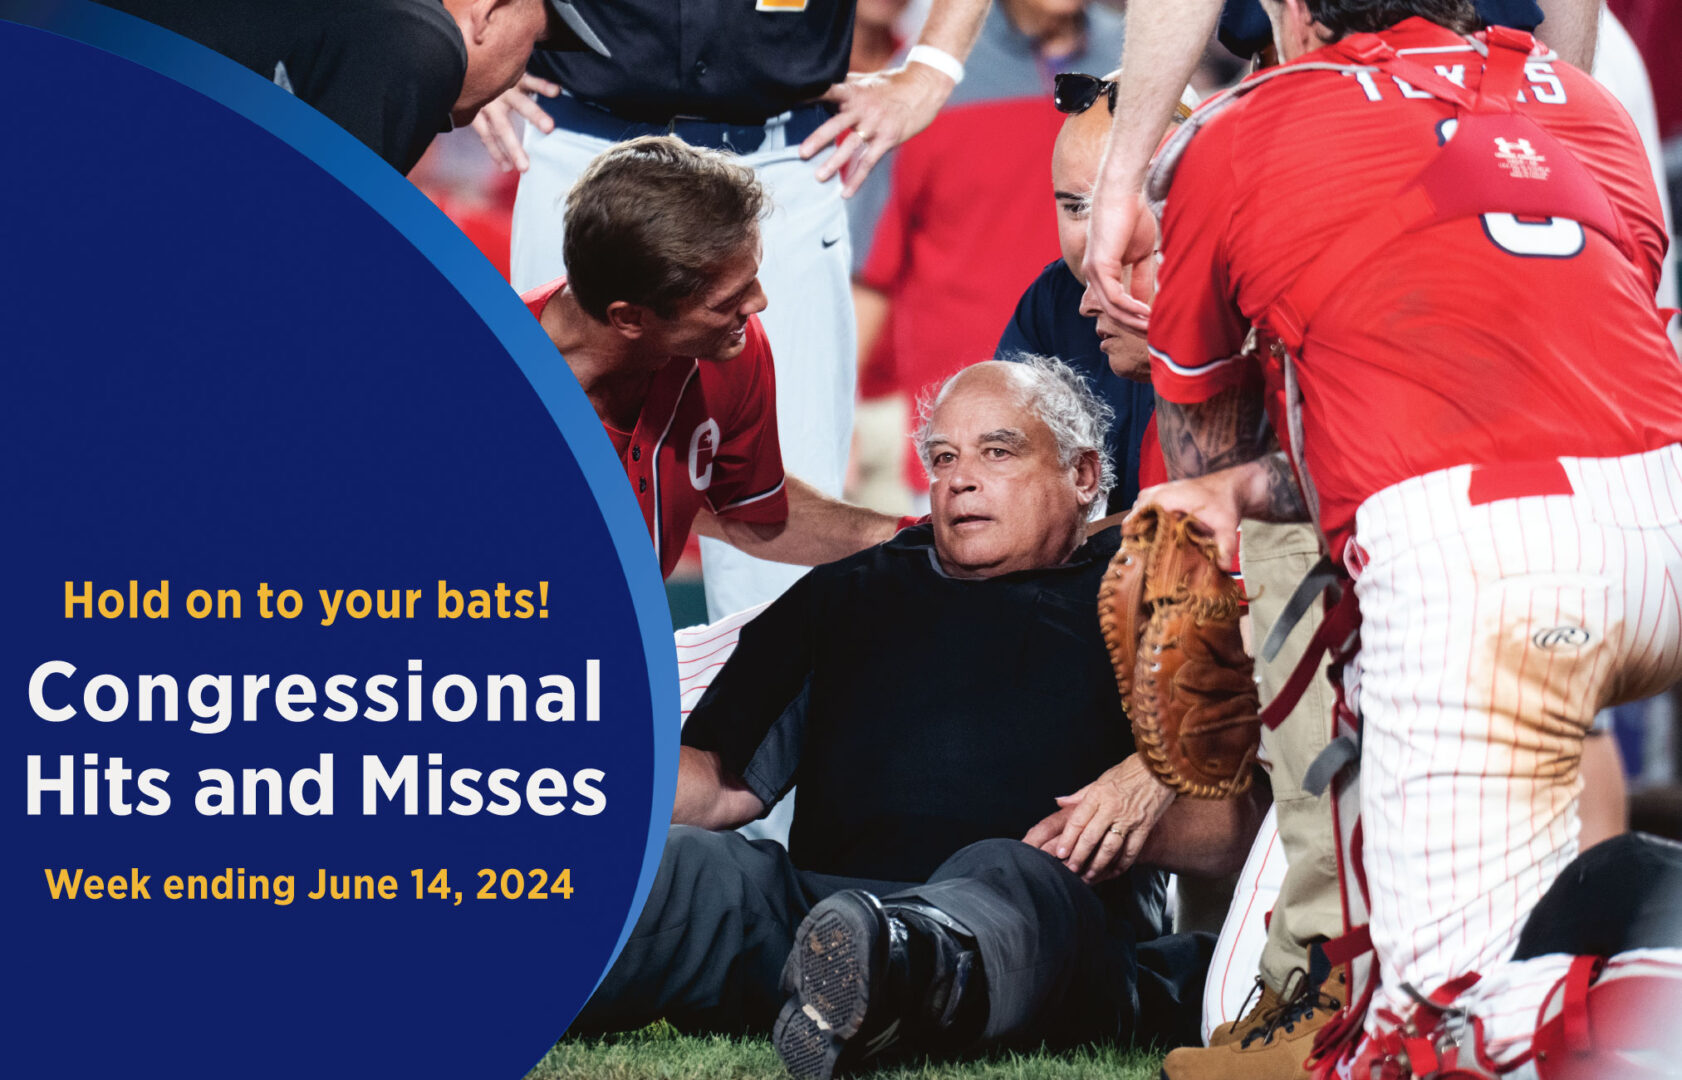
986	376
1080	142
1015	458
1074	167
499	36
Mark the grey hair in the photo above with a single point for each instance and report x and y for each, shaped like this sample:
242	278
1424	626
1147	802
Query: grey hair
1064	402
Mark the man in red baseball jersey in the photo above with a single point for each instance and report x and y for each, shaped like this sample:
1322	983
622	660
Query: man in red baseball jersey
656	318
1456	241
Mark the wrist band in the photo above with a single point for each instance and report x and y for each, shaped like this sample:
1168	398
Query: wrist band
937	58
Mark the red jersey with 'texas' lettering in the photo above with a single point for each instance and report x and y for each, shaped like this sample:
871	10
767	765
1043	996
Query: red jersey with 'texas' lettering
1480	340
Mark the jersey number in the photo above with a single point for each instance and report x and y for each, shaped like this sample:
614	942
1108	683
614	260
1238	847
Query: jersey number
1550	238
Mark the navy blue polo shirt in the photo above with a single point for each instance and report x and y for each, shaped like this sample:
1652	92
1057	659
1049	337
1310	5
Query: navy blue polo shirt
1048	322
737	62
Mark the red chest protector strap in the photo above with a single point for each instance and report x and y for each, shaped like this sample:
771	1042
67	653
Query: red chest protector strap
1497	160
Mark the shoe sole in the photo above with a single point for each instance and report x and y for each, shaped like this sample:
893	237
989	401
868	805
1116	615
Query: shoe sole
839	953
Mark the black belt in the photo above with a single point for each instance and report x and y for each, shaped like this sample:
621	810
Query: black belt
574	115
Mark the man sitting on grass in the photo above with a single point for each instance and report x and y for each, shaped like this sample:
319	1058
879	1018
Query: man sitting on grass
933	697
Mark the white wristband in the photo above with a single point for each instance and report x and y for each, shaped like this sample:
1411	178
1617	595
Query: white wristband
939	59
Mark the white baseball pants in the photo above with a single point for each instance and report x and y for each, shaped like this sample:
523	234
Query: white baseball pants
1491	635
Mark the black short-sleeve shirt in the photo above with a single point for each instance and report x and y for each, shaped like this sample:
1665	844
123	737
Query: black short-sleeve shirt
920	713
387	71
737	62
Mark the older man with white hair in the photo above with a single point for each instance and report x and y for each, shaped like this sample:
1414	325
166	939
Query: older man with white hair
934	696
1059	316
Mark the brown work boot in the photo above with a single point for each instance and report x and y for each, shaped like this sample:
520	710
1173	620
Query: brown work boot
1267	1003
1277	1049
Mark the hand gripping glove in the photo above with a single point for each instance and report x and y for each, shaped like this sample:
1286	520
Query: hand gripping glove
1169	615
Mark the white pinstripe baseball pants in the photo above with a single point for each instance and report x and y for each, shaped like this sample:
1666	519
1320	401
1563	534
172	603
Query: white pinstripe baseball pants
1491	634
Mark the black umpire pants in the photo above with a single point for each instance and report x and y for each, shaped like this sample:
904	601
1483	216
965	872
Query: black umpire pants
708	950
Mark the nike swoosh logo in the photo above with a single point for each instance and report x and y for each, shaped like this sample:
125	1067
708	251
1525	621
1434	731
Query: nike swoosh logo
827	243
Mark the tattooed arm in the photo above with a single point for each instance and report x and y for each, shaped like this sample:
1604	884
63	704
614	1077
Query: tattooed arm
1224	465
1278	499
1227	429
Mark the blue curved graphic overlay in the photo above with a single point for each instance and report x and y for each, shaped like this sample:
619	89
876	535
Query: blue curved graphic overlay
243	356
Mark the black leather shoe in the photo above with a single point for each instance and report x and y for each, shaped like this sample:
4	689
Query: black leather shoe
866	983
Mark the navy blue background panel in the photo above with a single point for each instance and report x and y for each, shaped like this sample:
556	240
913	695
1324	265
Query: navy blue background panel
238	348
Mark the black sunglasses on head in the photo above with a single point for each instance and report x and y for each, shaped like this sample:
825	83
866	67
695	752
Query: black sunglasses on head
1074	93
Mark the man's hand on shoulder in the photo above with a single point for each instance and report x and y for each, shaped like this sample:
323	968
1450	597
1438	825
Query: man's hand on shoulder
496	131
819	529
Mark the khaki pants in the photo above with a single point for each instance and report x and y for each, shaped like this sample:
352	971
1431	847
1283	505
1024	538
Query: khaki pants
1274	558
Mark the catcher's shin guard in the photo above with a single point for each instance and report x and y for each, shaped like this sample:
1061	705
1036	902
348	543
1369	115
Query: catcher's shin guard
1622	1021
1619	1019
1605	1019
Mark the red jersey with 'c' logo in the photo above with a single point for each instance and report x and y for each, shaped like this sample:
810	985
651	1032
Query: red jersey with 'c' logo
706	439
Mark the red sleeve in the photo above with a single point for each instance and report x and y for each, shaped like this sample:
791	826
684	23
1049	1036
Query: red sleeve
1153	470
748	469
1195	326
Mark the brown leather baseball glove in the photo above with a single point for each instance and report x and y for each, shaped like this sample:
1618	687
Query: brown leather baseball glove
1169	614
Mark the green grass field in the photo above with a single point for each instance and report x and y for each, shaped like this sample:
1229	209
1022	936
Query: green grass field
660	1053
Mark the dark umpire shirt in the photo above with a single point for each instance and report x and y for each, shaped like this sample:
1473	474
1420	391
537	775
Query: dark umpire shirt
387	71
921	713
724	61
1048	322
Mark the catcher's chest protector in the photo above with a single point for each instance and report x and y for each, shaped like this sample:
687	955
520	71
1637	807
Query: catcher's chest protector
1494	162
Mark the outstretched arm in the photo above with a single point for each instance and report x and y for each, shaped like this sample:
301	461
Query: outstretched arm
818	529
1227	429
1165	38
495	125
1571	28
